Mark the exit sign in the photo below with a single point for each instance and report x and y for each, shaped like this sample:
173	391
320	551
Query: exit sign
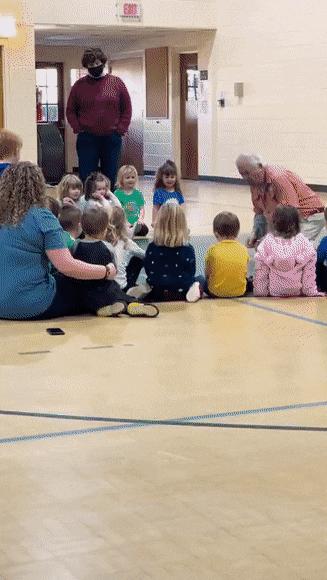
130	10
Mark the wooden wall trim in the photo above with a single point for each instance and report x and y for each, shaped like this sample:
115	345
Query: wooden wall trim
156	80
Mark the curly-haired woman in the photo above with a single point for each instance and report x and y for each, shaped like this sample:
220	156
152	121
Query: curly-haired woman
31	239
99	110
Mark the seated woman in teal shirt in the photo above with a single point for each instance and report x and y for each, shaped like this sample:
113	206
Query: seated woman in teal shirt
30	239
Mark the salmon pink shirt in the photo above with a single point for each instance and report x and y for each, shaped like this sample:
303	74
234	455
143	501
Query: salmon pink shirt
282	187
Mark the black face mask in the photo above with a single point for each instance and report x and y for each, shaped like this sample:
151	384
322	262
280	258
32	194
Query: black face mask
96	71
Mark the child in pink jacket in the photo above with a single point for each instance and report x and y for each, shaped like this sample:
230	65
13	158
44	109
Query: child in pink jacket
285	262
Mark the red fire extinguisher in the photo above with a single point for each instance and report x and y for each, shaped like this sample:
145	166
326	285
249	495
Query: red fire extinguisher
39	115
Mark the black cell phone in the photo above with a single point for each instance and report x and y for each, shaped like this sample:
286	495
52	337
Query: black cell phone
55	331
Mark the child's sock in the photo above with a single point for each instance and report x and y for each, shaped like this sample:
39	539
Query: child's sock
139	291
194	292
112	309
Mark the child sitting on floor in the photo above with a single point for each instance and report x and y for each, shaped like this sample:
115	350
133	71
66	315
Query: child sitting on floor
131	199
285	262
70	221
97	190
129	256
226	262
70	190
166	187
93	249
10	146
321	267
170	260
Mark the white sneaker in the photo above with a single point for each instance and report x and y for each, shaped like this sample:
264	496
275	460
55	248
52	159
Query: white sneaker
194	293
139	291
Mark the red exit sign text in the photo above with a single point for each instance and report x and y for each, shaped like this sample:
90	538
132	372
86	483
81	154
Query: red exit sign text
131	10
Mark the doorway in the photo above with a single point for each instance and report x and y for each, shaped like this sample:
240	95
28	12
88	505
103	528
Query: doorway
50	94
189	94
131	71
50	116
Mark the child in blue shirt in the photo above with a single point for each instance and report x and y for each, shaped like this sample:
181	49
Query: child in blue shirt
10	146
166	187
321	265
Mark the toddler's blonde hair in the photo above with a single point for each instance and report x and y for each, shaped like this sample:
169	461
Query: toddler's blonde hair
68	181
117	228
171	229
123	171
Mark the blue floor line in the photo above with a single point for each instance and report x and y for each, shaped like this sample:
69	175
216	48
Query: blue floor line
283	312
55	434
177	422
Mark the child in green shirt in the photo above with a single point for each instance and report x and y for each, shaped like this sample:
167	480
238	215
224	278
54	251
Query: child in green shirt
131	199
70	221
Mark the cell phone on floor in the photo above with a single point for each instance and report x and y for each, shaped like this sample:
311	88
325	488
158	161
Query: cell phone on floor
55	331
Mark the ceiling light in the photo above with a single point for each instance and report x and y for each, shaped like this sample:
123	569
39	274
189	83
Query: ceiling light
7	26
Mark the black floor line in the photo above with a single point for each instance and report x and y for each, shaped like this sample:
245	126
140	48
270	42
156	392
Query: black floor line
178	423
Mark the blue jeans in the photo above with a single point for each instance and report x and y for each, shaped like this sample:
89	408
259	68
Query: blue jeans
260	226
95	149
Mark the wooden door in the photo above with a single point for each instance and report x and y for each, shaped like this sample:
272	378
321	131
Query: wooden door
2	116
131	71
189	93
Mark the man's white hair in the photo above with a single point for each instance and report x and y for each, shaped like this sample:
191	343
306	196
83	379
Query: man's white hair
249	160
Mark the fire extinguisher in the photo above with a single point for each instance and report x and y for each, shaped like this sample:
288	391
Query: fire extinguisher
39	115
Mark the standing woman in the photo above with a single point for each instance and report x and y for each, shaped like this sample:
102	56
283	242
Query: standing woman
99	110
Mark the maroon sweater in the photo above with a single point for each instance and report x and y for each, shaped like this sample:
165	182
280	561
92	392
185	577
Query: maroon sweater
99	106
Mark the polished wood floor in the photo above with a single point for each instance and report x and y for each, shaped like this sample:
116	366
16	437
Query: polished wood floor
108	500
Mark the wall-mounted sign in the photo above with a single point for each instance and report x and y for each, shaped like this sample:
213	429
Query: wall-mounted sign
129	10
203	75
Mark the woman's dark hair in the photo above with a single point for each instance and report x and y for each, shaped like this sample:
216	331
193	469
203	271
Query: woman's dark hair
94	221
226	225
91	55
52	204
286	221
168	168
91	183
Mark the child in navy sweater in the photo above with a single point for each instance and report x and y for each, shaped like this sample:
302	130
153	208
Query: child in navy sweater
170	260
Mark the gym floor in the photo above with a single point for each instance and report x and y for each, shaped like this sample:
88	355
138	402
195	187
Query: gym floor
230	484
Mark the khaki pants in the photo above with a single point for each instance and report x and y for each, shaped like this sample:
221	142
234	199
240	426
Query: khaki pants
313	227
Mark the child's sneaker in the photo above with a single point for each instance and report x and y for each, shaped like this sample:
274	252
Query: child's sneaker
194	293
139	291
138	309
112	309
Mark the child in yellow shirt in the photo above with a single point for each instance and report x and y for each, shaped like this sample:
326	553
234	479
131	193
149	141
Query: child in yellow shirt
226	262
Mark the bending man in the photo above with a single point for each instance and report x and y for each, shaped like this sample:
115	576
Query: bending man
271	186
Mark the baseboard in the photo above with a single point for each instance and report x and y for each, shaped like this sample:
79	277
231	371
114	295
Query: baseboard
218	179
238	181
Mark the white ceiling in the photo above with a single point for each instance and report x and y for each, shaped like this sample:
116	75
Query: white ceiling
90	36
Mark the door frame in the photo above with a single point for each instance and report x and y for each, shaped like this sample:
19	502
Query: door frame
61	96
2	109
187	60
